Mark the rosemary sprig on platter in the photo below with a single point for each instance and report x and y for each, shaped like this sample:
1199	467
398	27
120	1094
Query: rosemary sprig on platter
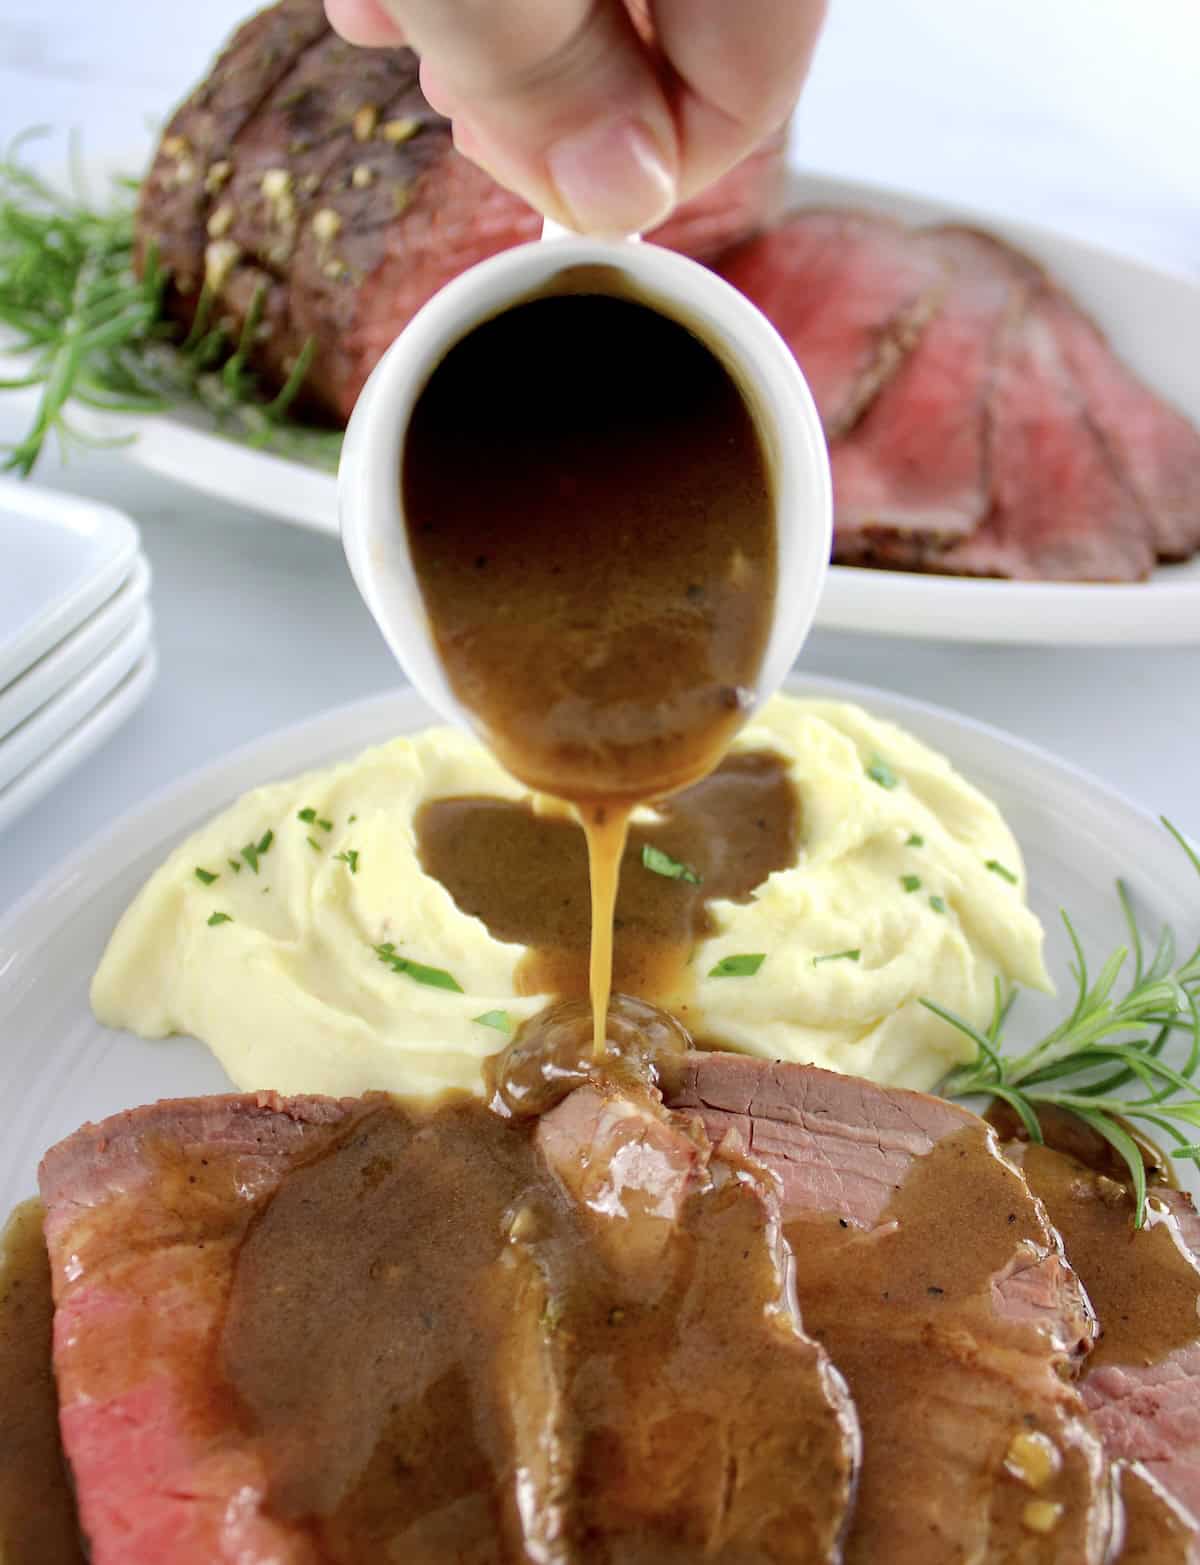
90	331
1103	1063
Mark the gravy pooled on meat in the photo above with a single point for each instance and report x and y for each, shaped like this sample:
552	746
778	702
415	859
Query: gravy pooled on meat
432	1334
590	517
1144	1284
949	1389
483	1302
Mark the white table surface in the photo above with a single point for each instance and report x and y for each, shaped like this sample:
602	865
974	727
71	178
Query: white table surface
1080	112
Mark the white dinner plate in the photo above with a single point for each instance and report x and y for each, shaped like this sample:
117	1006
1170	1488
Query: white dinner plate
39	733
58	1067
55	669
76	745
1151	317
60	558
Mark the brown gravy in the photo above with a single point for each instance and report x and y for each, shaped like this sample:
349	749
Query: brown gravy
1156	1531
1143	1284
38	1524
1066	1132
421	1313
526	875
900	1312
591	521
554	1052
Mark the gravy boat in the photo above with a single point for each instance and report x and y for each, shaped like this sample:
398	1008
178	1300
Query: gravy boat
370	499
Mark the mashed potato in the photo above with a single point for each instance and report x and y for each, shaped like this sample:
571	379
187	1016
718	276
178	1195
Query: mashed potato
261	935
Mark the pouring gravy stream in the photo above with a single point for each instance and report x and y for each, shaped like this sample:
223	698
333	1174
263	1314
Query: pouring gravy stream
591	521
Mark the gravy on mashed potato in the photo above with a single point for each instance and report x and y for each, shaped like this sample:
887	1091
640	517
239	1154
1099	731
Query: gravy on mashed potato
596	555
307	970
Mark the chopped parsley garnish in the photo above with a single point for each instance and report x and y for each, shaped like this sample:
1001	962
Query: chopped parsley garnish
235	865
497	1019
350	819
838	956
349	857
999	869
911	882
938	904
880	772
253	851
313	843
219	918
324	824
744	965
308	815
663	864
915	840
205	876
435	977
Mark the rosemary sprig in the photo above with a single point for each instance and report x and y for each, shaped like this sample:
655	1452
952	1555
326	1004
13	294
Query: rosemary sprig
1103	1063
95	334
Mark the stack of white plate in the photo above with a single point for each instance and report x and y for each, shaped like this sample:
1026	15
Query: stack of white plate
76	657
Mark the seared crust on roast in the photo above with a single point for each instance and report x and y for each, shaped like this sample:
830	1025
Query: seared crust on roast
313	177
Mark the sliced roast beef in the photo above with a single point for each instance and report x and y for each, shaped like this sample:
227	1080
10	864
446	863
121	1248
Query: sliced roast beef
291	1331
1143	1381
915	473
849	293
981	456
311	180
1156	449
930	1273
144	1216
979	422
1061	509
712	1427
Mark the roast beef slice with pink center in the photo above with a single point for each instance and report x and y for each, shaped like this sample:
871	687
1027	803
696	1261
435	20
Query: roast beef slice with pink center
849	293
981	457
1061	509
1156	449
142	1247
945	1301
313	177
913	474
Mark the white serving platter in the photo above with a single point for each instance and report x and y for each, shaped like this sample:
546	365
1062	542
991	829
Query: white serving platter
59	1067
1151	316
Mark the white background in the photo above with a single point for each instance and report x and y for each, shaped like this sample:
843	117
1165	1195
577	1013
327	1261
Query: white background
1082	113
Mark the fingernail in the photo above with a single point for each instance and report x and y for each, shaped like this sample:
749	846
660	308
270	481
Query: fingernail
612	179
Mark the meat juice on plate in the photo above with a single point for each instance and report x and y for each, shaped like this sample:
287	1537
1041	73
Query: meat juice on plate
591	522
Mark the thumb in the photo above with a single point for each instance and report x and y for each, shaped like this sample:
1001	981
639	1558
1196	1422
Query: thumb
559	99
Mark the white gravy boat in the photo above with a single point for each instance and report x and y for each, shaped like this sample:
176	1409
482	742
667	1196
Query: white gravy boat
370	499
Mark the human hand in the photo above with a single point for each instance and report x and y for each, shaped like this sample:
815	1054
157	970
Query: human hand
597	114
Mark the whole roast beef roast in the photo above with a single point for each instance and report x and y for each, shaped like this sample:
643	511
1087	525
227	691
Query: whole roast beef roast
311	181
